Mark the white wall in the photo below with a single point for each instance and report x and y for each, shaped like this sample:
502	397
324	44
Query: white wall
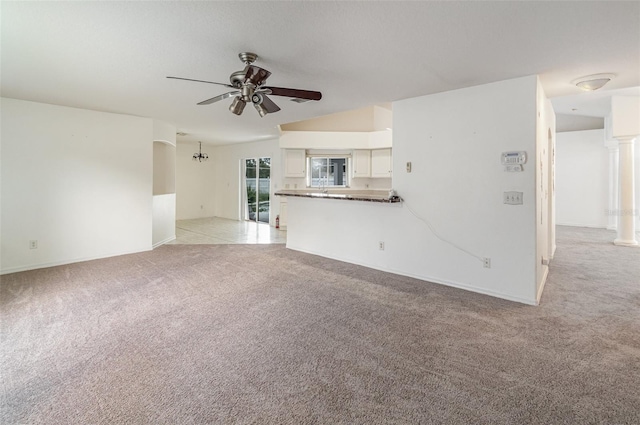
227	160
382	118
625	111
77	181
164	132
454	141
336	140
195	182
582	179
362	119
637	182
164	184
164	219
164	168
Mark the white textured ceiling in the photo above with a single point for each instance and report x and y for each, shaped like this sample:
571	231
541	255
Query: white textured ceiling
114	56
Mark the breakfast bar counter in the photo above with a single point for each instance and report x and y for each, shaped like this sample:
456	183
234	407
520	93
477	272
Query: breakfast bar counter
366	196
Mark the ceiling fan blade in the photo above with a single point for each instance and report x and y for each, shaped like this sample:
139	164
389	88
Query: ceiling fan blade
269	105
217	98
202	81
256	75
300	94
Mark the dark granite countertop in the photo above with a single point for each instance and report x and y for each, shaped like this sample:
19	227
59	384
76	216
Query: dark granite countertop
367	196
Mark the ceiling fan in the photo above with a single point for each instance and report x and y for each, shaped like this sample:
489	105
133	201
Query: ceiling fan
249	87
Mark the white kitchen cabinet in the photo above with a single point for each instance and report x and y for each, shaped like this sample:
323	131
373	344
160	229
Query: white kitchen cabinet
283	214
381	163
295	161
361	163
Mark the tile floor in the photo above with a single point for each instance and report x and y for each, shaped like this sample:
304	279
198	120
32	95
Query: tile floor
214	230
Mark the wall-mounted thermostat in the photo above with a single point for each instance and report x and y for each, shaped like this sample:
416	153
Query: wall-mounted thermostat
513	161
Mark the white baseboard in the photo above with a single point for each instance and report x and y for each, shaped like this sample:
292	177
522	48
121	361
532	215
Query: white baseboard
64	262
453	284
541	288
169	239
591	226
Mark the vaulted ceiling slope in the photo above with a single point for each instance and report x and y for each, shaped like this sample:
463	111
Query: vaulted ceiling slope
114	56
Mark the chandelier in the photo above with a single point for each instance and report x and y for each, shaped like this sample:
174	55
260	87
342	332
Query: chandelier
199	156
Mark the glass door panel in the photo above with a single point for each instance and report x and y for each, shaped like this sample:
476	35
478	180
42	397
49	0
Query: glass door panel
250	186
264	186
257	187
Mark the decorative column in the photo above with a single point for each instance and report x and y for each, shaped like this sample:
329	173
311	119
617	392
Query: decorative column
627	208
612	211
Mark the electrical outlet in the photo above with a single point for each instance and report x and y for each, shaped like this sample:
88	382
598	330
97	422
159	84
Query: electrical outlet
381	246
512	198
33	244
486	262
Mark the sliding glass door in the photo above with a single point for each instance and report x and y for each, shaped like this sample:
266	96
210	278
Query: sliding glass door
257	178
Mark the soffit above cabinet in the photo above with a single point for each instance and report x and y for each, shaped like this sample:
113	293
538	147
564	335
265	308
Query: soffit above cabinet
336	140
371	118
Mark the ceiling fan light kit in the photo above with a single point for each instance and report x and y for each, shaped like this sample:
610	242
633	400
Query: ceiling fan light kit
237	106
593	82
249	87
261	109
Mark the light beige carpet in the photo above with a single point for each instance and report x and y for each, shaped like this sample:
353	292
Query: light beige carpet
259	334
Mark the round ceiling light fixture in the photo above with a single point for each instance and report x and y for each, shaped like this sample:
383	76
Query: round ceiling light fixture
593	82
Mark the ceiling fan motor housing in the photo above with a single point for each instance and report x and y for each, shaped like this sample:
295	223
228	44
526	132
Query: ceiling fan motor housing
247	92
237	78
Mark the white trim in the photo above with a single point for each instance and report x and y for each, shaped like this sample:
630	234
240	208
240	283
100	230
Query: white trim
168	142
329	153
169	239
64	262
544	281
591	226
426	278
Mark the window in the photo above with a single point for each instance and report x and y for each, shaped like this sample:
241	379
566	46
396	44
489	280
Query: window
327	171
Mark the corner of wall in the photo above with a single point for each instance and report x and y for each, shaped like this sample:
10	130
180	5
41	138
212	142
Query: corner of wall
164	132
544	183
454	140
